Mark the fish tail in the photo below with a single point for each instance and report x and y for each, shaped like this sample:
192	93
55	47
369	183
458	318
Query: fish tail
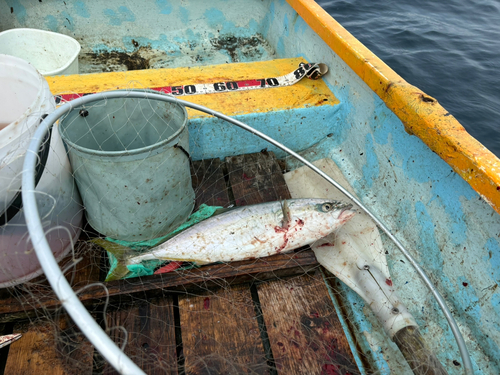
121	253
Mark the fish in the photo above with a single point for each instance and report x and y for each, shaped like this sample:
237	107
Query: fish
242	233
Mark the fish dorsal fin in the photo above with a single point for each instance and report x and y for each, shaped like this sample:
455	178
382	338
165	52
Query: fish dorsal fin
287	215
223	210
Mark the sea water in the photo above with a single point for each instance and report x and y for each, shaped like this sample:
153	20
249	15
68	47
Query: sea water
449	49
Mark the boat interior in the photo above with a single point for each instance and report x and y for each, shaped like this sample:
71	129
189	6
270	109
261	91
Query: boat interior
285	314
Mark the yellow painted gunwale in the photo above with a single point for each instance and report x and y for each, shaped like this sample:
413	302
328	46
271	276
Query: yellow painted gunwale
421	114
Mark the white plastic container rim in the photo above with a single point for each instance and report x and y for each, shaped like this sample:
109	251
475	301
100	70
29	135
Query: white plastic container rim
94	333
40	47
21	124
16	63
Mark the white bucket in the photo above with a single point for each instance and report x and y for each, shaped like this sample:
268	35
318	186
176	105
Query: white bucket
24	98
50	53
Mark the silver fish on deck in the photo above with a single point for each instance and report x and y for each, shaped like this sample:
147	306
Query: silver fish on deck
242	233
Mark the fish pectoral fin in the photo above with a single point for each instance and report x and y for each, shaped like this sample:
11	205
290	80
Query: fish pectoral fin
223	210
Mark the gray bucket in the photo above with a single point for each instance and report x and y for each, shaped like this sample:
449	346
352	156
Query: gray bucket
131	164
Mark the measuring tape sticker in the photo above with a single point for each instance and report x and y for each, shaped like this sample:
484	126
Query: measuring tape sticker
309	70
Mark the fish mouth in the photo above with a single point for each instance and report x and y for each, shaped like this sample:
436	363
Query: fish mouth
346	213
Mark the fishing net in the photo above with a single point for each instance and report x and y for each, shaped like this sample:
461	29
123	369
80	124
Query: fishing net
282	314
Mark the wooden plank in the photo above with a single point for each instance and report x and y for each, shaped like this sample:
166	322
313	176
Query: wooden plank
219	330
220	334
280	265
49	348
304	331
149	330
209	183
256	178
86	265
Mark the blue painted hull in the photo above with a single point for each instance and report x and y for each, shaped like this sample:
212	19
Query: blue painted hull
449	228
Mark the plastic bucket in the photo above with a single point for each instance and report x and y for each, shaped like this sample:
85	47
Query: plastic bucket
50	53
24	98
131	164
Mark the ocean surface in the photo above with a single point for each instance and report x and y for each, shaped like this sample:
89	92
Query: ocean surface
449	49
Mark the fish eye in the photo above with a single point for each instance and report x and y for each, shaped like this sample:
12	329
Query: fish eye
325	207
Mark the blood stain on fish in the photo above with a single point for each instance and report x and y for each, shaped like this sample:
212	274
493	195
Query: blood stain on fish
285	242
388	282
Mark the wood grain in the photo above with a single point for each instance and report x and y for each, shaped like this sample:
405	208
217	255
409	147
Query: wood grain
209	183
148	335
220	334
54	347
219	331
256	178
305	334
280	265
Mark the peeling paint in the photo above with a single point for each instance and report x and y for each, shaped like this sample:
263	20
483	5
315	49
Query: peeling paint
18	9
371	168
116	18
81	9
449	228
164	6
51	23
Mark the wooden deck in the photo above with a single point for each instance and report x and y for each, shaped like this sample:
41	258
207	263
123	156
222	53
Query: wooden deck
265	316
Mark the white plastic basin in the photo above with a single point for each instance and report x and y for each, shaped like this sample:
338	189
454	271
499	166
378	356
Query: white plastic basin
50	53
24	97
